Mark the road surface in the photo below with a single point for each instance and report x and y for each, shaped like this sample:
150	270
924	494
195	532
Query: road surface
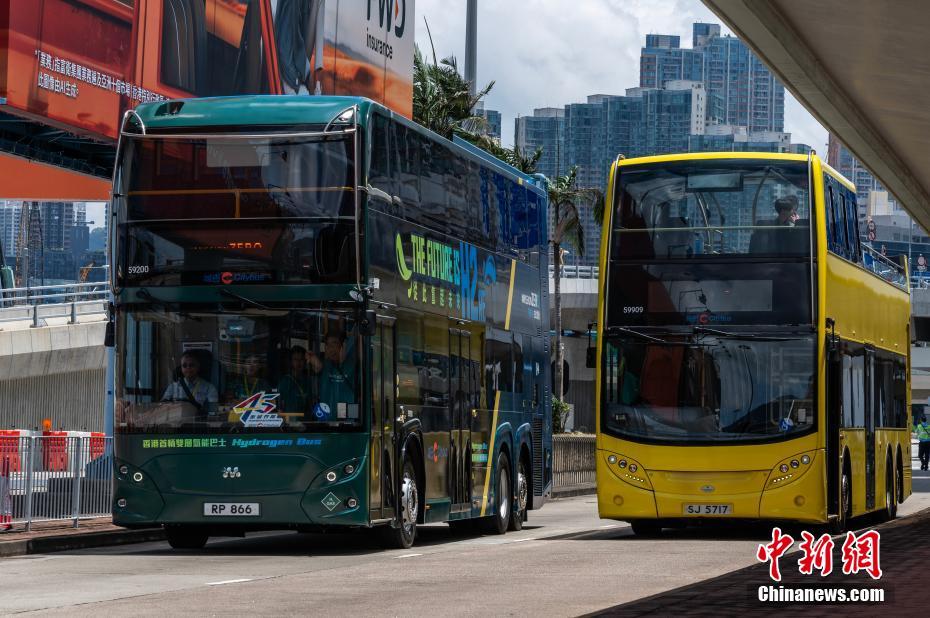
566	561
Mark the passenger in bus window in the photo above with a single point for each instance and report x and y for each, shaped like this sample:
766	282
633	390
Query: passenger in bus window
295	387
190	387
336	372
251	381
770	241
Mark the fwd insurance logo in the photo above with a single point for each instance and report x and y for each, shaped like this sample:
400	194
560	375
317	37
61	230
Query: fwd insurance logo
391	13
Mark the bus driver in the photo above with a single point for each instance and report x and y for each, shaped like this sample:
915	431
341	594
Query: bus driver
190	387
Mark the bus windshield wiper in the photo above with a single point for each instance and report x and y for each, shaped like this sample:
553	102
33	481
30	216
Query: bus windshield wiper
613	330
249	301
750	336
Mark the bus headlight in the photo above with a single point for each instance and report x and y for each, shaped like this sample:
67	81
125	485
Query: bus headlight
137	477
789	470
124	469
612	459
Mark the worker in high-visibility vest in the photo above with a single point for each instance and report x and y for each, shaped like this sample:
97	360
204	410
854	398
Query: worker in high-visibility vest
6	501
922	429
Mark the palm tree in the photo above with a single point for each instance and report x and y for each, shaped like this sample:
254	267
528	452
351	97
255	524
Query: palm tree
442	101
564	199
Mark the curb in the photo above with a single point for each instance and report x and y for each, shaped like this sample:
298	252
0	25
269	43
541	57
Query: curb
571	492
68	542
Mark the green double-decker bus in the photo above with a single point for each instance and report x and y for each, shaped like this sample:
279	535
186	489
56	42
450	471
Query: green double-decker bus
325	316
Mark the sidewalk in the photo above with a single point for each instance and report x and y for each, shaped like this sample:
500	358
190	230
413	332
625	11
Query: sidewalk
63	536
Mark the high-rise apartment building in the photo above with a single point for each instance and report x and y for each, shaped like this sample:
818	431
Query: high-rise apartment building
492	120
545	130
57	221
10	212
747	93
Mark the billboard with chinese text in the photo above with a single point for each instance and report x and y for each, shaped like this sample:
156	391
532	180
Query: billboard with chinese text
79	64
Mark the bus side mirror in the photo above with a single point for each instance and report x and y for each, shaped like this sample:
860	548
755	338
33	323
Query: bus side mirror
591	353
369	323
109	336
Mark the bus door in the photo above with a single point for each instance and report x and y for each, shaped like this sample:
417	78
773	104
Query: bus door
461	396
869	429
383	380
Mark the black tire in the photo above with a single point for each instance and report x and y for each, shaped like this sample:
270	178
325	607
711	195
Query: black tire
521	498
404	536
891	495
181	537
646	527
899	484
503	498
838	525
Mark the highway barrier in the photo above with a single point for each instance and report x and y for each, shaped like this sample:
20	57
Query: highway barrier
573	464
59	476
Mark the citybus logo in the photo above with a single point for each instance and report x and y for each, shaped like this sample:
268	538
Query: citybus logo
390	12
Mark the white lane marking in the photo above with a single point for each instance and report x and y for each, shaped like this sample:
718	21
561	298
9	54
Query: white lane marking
228	581
611	526
409	556
530	538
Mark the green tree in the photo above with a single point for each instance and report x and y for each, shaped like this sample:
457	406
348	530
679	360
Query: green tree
443	103
565	199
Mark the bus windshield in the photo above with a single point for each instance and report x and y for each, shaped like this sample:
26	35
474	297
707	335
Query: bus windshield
708	388
689	209
245	209
203	370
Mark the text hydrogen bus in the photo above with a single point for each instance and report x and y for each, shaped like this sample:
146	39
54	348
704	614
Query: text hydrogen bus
753	355
325	316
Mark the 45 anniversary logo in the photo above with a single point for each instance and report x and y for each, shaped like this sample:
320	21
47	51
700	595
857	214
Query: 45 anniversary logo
445	276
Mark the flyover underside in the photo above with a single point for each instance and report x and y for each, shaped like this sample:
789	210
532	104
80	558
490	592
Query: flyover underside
862	69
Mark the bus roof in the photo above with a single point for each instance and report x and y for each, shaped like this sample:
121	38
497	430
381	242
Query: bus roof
255	110
707	156
294	110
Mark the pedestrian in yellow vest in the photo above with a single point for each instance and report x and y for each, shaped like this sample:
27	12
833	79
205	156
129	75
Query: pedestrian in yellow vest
922	429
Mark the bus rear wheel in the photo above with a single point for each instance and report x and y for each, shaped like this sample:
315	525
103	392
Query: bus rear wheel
184	537
498	522
891	496
520	498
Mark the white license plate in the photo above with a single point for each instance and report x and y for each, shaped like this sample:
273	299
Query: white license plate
708	509
232	509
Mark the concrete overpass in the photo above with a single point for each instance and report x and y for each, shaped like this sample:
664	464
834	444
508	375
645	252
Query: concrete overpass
52	359
861	67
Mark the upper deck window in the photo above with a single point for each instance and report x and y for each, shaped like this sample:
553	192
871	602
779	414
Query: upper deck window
715	208
246	210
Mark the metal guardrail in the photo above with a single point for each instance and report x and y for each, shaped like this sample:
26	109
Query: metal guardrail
49	301
573	462
577	272
45	478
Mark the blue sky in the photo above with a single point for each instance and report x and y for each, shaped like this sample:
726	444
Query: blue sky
544	53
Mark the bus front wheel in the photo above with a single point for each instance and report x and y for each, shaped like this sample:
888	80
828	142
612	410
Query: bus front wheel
839	524
181	537
403	536
646	527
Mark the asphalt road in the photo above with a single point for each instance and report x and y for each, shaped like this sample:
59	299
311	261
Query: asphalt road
566	561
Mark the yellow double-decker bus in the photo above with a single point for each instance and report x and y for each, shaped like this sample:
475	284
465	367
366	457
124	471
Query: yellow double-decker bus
752	354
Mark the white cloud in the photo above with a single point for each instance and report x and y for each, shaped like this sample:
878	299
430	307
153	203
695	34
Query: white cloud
544	53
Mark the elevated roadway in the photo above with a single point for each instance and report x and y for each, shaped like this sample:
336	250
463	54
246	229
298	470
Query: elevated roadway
861	67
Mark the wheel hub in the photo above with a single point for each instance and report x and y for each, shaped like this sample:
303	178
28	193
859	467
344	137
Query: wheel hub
409	501
522	491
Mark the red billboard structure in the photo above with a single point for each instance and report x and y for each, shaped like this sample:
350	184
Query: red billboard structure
77	65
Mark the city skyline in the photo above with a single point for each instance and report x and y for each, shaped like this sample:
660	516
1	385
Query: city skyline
595	48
